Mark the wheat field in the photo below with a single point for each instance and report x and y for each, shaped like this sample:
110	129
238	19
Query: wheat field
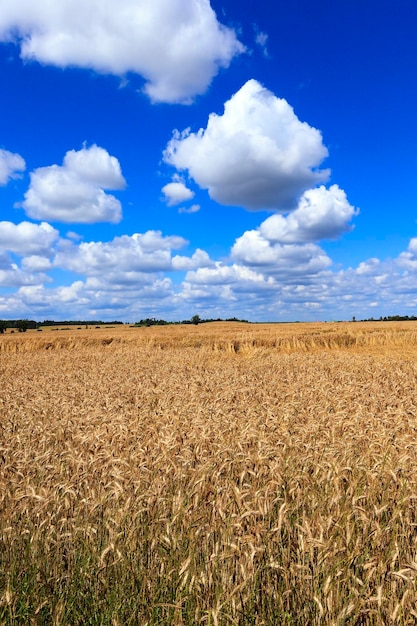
220	474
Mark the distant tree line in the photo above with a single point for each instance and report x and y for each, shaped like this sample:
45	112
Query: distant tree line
77	323
391	318
20	325
25	324
196	319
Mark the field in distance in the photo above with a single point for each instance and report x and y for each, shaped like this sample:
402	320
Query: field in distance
221	473
227	336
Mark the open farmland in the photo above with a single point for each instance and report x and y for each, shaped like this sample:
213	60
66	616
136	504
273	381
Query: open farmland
215	474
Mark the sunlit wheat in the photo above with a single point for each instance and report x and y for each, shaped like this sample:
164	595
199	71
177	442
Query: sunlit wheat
219	474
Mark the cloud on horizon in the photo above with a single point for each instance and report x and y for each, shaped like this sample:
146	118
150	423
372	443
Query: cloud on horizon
129	278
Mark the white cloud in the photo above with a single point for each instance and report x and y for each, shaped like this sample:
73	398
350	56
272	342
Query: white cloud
194	208
96	166
214	289
261	39
176	192
412	246
177	46
257	155
11	164
75	191
122	257
27	238
285	259
368	267
37	297
13	276
255	293
36	263
408	259
321	214
222	274
200	258
228	290
94	298
74	236
126	278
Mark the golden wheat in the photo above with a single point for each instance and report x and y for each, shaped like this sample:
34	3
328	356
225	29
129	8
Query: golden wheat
219	474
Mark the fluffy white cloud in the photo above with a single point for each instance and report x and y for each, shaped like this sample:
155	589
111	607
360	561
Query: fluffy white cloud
408	260
75	191
321	214
27	238
285	259
35	243
37	298
231	290
219	289
222	274
254	293
36	263
11	164
200	258
126	278
125	255
95	165
412	246
13	276
93	298
176	192
178	46
257	155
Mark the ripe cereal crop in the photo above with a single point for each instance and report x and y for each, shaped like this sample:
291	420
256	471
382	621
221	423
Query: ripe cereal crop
219	474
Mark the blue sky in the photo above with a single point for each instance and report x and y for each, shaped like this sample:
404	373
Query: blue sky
235	158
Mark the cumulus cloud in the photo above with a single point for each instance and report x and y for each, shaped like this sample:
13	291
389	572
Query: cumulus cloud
283	246
408	259
147	252
412	246
96	166
321	214
38	298
369	267
177	46
229	290
215	289
11	164
257	155
200	258
36	263
222	274
75	191
93	298
13	276
176	192
286	259
28	239
255	293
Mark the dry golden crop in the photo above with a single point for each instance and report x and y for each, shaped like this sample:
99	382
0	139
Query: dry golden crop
214	474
